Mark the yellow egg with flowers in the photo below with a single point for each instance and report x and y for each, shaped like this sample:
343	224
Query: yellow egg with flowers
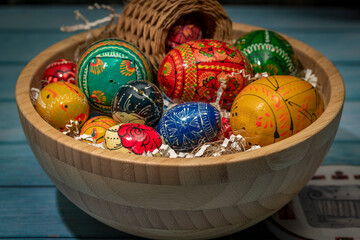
274	108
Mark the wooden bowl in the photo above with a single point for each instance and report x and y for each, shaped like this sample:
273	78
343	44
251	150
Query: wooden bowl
197	198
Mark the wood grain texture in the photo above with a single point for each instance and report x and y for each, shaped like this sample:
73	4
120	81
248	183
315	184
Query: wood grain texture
57	217
177	198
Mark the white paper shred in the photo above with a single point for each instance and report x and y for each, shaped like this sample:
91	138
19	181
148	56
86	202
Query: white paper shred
34	94
172	153
258	76
89	140
225	114
87	25
164	147
226	142
234	143
84	137
220	90
253	147
309	76
155	151
202	150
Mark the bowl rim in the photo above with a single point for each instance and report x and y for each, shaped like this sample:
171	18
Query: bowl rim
25	107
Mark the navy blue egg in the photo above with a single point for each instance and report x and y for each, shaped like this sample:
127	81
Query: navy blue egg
138	102
186	125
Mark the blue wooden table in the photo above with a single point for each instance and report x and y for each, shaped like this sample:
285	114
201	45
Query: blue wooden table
30	205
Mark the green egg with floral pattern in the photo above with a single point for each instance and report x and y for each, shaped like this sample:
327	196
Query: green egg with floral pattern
268	52
105	66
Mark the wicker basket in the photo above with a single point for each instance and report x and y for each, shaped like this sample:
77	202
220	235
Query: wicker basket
145	23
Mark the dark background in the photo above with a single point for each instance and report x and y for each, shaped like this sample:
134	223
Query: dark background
347	4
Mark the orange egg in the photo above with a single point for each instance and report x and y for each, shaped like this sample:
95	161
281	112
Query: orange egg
274	108
96	128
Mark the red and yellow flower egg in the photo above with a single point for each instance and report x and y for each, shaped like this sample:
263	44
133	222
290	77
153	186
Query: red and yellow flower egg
195	70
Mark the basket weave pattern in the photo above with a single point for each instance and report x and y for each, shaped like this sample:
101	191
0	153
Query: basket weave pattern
145	23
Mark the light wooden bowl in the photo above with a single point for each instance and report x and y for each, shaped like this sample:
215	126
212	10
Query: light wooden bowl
197	198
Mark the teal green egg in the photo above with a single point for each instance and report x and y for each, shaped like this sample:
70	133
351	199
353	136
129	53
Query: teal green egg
105	66
268	52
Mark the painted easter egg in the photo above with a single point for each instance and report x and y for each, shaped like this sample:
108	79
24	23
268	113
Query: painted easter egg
60	102
105	66
60	70
225	131
268	52
186	125
133	138
96	128
186	29
138	102
195	70
274	108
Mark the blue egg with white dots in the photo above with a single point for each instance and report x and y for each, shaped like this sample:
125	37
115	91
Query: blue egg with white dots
187	125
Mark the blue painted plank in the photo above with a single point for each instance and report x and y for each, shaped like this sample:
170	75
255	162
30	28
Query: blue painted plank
45	212
19	167
335	46
72	238
52	17
320	28
346	153
69	238
8	77
21	47
350	74
296	19
10	126
47	17
348	130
